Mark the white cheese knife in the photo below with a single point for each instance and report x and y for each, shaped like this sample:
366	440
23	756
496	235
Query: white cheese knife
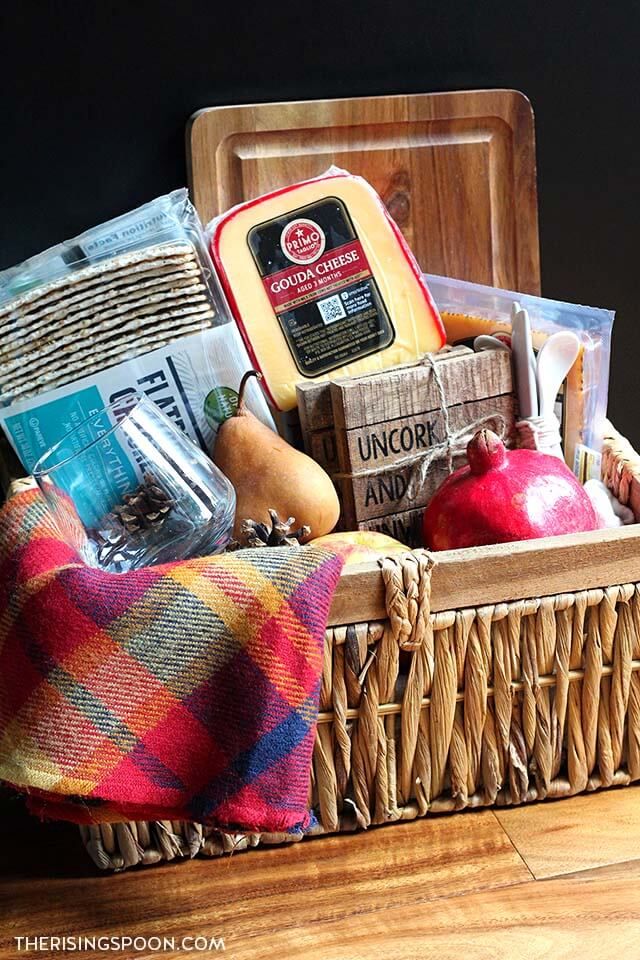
524	362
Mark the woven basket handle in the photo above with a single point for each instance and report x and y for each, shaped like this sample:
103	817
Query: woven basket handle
621	469
407	580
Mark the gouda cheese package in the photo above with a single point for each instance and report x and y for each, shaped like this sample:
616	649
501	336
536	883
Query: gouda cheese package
322	284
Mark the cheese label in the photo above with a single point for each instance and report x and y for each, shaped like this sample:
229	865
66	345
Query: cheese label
321	287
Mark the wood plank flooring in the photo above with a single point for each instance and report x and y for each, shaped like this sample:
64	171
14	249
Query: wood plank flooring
557	879
590	831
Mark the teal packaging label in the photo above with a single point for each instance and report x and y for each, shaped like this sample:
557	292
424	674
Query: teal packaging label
100	470
191	380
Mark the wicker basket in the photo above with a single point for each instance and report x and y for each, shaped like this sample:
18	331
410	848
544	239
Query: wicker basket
498	675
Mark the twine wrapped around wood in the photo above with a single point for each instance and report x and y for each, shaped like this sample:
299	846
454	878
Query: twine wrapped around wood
454	444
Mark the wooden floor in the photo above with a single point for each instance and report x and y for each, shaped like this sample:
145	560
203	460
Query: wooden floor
555	880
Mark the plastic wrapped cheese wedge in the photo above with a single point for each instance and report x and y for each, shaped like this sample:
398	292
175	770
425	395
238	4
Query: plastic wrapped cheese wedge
322	284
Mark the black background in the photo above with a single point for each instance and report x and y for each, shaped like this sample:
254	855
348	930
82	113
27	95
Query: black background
95	97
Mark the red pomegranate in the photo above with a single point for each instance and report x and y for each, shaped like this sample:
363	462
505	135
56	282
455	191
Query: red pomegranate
505	495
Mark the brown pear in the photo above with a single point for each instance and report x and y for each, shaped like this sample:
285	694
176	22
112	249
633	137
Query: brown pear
267	472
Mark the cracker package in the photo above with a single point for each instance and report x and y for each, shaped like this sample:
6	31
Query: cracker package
131	306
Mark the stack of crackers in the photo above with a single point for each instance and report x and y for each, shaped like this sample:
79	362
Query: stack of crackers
97	316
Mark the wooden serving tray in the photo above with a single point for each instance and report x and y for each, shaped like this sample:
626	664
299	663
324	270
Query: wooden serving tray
456	170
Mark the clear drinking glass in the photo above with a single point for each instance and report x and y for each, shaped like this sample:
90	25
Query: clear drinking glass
128	488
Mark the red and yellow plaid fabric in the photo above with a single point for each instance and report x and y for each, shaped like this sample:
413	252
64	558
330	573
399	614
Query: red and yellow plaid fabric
183	691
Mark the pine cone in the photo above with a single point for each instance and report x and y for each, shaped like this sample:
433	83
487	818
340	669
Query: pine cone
146	508
279	534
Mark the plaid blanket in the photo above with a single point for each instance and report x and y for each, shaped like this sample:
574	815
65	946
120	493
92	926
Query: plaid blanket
183	691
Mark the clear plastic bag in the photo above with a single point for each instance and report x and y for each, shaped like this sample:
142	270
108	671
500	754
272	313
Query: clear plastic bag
132	305
469	309
322	284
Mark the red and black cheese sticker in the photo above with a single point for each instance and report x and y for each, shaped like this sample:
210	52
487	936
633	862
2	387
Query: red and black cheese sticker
321	286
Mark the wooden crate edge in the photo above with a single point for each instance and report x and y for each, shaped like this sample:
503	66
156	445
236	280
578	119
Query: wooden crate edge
498	574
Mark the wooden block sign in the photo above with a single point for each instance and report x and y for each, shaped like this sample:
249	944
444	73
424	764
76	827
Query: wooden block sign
371	433
316	424
379	444
409	390
316	416
370	496
405	527
314	405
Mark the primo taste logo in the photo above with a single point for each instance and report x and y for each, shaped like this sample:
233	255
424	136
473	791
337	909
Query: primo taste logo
302	241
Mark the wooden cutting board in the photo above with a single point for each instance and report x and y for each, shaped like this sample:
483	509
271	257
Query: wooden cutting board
456	170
